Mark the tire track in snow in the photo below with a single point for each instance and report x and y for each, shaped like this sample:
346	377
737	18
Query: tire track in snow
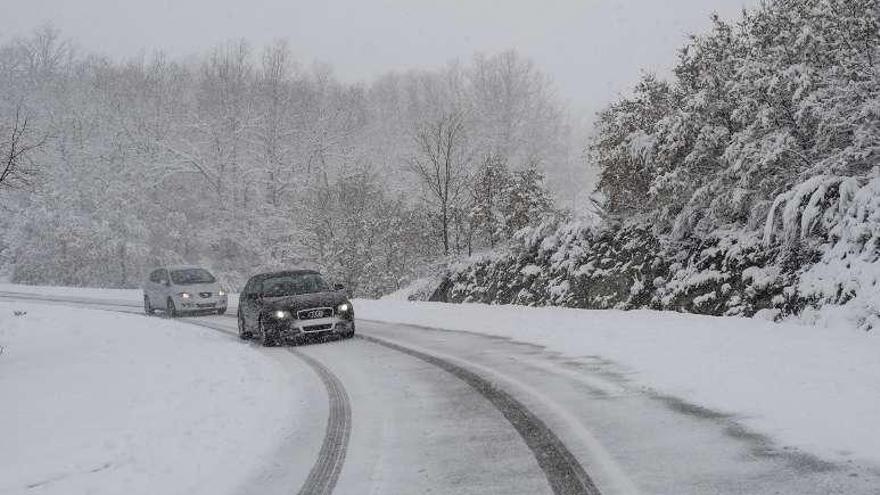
325	473
561	468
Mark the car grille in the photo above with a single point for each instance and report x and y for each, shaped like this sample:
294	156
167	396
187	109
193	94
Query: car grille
318	328
205	305
205	294
314	313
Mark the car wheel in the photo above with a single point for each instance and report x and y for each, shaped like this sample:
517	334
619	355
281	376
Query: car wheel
221	311
148	308
170	310
349	334
265	339
243	334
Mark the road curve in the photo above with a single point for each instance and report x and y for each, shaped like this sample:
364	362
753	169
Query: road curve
563	471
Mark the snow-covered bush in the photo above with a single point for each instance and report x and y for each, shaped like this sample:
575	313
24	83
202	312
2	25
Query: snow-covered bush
624	266
848	273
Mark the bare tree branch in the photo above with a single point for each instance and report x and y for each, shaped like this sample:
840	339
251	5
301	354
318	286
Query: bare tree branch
440	166
16	167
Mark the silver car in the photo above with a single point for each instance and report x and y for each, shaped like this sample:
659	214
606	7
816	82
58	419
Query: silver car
183	289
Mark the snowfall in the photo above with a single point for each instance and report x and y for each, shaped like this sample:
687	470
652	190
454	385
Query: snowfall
100	402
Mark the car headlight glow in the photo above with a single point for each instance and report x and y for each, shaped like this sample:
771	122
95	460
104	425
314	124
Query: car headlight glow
343	308
281	314
221	293
184	295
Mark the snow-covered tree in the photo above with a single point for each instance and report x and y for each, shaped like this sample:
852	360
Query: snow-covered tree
526	201
488	187
754	108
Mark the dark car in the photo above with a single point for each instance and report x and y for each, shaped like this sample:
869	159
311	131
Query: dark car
290	305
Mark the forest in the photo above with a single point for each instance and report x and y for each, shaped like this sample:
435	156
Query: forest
244	159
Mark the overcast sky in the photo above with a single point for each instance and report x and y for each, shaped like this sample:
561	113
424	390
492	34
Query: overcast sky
593	49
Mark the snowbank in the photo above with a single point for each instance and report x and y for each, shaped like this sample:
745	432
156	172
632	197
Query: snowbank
132	296
809	387
105	403
419	289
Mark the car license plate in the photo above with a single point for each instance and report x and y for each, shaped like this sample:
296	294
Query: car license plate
313	314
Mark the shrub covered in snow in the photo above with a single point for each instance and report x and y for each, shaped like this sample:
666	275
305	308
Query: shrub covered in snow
624	266
848	272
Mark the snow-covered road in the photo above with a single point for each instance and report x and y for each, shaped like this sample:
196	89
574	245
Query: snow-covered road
418	425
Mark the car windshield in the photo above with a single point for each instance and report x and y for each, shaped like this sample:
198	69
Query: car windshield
293	285
192	276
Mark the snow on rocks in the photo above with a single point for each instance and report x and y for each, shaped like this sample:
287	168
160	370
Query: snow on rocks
623	266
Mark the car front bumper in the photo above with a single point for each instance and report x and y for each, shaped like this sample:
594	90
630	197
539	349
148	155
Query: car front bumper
198	303
294	327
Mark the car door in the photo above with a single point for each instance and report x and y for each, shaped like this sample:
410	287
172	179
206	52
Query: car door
162	288
151	285
249	302
148	285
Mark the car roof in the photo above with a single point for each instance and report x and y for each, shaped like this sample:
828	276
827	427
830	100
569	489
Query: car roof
183	267
265	275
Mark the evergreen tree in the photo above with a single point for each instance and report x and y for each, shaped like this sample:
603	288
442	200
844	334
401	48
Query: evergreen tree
490	188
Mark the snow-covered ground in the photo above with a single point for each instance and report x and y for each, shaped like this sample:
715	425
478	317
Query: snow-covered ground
106	403
810	387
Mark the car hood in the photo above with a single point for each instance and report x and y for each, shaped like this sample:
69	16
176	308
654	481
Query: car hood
196	288
305	301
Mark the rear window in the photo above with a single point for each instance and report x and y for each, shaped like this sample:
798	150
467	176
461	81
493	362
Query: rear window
191	276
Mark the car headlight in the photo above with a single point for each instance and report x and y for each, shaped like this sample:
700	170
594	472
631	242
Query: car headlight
221	293
281	314
184	295
343	308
